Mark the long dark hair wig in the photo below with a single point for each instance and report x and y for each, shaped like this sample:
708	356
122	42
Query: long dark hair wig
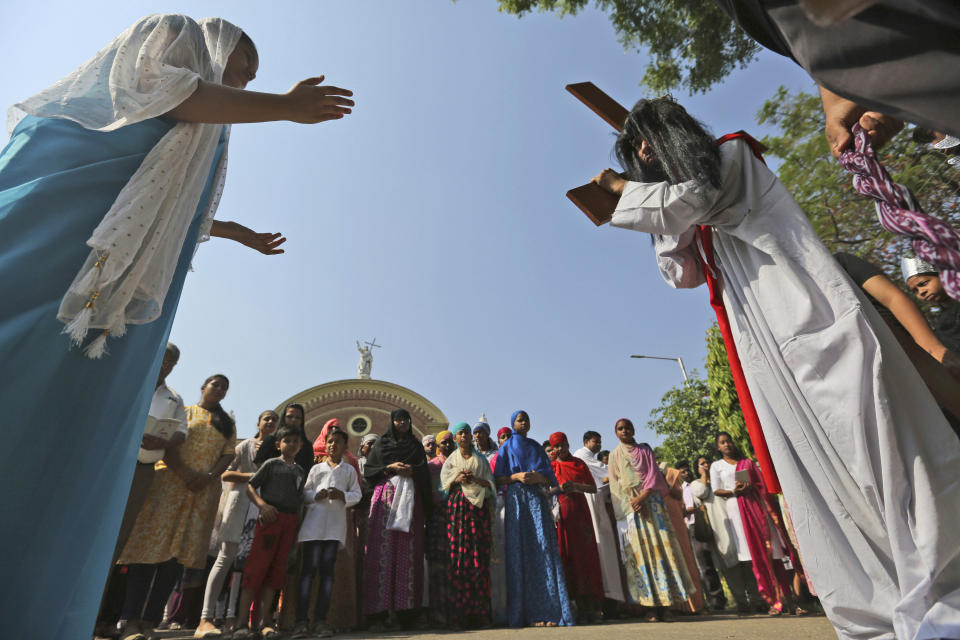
220	419
682	148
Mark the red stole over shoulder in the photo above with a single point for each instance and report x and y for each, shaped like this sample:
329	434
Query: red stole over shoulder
707	263
572	469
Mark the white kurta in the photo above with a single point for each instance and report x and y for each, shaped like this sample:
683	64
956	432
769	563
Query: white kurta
723	477
866	459
602	526
326	519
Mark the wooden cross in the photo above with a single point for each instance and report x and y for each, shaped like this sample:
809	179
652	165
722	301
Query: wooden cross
595	201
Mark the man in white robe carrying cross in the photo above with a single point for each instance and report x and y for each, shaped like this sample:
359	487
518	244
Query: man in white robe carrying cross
869	467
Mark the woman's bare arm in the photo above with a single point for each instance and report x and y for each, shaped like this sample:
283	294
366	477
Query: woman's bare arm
306	103
265	243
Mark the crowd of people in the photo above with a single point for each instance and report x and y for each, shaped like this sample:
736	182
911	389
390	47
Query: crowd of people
276	534
844	422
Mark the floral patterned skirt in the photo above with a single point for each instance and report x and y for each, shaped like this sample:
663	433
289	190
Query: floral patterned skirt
657	575
469	537
393	560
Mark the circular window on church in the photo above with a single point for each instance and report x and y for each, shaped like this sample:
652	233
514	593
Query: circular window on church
359	425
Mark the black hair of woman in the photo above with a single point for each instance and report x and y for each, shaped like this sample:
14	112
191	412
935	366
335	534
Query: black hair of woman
303	417
736	449
219	418
679	147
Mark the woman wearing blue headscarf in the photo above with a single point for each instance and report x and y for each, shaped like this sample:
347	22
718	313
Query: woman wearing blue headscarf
531	538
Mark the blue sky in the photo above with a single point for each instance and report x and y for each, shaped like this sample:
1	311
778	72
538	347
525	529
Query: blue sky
433	218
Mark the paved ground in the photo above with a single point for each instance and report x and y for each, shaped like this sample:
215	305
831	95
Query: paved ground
721	627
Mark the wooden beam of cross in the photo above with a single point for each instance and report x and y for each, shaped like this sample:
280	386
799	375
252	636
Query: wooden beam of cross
595	201
373	344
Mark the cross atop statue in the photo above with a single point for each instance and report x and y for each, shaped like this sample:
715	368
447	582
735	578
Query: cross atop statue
366	358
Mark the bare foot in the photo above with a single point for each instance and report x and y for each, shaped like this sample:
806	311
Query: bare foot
550	624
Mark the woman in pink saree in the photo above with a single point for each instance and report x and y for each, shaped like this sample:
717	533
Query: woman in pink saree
761	523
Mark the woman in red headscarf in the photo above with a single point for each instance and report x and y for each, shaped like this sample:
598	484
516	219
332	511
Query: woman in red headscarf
578	542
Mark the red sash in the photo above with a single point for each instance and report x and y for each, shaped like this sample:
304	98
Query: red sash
705	235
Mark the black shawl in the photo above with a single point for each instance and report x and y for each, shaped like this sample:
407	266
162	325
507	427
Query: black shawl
394	446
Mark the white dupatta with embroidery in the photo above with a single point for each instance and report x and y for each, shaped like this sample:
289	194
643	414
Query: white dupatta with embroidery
145	72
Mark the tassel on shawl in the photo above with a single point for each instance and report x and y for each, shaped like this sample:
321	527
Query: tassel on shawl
78	327
98	348
89	282
118	328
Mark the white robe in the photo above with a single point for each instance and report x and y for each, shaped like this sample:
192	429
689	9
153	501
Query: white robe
603	527
867	462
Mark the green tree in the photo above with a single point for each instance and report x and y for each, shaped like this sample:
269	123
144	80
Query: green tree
845	220
692	44
687	418
723	393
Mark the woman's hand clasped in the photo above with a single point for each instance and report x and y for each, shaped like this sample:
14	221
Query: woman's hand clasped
639	504
401	469
610	181
198	482
309	103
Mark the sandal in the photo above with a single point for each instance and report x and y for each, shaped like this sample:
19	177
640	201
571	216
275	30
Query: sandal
301	630
775	610
210	631
269	633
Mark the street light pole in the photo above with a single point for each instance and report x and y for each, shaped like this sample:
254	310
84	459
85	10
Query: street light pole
679	361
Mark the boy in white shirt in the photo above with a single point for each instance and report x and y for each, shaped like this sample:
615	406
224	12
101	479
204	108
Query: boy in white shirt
331	487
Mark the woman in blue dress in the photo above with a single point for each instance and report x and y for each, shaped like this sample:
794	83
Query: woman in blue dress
536	588
110	178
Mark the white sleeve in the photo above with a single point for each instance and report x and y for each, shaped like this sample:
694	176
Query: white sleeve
700	491
351	494
663	208
180	414
715	481
678	261
312	485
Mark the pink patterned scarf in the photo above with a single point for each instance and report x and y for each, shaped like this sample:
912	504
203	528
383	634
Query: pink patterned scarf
933	240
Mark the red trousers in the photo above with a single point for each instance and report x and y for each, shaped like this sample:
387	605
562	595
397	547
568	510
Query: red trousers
267	562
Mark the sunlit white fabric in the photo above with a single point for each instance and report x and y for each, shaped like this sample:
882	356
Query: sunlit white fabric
145	72
867	462
602	526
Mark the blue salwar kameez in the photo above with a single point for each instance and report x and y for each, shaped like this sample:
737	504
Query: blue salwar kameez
72	425
536	587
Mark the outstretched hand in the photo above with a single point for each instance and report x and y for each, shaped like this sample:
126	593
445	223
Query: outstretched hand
310	103
265	243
